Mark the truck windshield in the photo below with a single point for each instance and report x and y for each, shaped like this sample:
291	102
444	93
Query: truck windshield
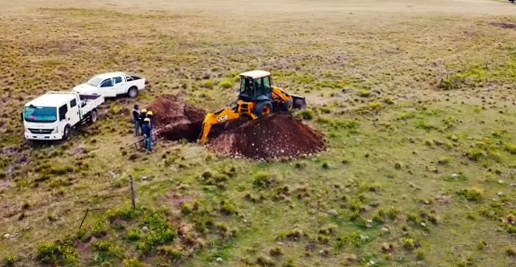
40	114
94	81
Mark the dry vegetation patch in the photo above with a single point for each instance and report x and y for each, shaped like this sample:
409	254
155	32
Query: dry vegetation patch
417	109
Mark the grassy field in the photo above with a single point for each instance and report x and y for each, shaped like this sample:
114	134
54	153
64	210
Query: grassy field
416	101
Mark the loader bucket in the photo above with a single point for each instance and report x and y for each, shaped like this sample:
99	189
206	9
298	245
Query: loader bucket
299	102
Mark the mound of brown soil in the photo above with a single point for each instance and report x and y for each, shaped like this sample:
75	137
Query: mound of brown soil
175	119
276	136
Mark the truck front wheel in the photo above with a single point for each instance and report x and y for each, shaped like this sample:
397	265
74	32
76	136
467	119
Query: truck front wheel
67	133
133	92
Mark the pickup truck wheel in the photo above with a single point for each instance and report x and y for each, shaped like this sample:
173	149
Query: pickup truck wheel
67	133
133	92
93	116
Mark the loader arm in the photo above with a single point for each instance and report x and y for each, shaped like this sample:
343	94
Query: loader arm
219	117
298	102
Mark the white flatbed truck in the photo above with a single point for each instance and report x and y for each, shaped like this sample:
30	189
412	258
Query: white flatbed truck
52	116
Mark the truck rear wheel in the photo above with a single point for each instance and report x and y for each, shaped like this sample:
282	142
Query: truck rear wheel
67	133
93	116
133	92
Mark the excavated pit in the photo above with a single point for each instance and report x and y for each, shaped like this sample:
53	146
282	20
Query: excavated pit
277	136
175	120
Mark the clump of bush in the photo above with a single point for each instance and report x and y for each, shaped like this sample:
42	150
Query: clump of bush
56	253
161	232
472	194
263	180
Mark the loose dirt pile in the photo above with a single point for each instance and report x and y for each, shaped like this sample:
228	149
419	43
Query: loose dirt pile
175	120
274	137
277	136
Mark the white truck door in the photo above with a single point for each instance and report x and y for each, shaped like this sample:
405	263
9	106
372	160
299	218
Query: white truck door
63	117
73	112
107	88
119	85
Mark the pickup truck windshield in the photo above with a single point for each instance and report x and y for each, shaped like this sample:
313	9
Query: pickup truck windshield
94	81
40	114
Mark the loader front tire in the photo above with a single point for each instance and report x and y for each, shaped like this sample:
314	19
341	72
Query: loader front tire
262	109
287	106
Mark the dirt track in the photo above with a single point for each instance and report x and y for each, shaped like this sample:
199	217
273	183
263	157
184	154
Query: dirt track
464	7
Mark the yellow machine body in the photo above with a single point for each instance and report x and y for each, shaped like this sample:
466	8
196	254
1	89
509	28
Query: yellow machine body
271	99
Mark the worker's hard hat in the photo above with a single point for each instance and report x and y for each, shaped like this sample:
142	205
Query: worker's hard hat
147	120
144	110
149	113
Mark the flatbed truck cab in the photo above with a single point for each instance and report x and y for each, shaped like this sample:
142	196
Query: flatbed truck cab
54	115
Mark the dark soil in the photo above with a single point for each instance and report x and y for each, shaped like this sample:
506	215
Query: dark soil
504	25
175	119
276	136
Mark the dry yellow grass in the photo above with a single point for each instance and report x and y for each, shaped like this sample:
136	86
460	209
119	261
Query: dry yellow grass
382	194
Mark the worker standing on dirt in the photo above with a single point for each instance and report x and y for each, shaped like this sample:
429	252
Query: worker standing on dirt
147	135
136	119
143	115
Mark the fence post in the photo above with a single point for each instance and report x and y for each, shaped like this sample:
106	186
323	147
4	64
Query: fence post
84	218
133	194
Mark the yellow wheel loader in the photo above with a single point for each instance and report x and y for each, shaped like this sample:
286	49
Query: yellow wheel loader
257	98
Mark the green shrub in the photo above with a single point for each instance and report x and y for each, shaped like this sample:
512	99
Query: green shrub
306	115
289	263
10	261
408	243
208	84
389	101
133	262
227	84
511	148
99	229
61	170
476	154
133	235
126	213
228	208
104	251
355	239
262	180
160	232
364	94
56	253
172	252
472	194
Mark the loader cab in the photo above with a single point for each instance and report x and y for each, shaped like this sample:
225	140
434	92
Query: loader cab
255	85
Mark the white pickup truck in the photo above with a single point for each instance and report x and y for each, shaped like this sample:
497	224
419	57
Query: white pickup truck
52	116
112	84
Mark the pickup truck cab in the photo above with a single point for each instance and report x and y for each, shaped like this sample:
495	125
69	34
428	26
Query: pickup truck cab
112	84
52	116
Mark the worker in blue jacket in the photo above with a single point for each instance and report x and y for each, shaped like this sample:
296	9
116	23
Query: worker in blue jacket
147	135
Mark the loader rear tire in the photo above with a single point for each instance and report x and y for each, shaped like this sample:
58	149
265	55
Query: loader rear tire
262	109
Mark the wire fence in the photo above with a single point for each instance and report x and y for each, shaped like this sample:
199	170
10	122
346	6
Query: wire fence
70	228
